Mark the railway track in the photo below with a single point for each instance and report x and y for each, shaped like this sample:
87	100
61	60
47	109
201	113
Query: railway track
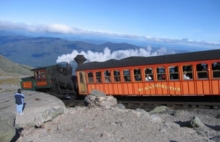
146	105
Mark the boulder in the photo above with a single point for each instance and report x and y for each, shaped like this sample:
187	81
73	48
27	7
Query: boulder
47	115
195	122
7	130
98	98
120	106
199	127
142	112
155	118
159	109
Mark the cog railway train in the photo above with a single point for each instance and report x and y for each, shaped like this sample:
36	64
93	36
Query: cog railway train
185	74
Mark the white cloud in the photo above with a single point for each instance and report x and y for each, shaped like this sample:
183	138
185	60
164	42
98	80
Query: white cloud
64	29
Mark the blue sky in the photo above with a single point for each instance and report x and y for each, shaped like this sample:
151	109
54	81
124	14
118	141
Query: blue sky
194	20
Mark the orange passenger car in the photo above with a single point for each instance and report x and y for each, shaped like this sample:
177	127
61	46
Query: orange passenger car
185	74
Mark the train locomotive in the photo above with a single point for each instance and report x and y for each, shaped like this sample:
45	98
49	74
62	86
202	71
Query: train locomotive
56	80
175	75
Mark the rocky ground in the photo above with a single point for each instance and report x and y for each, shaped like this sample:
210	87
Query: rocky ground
82	124
103	120
112	124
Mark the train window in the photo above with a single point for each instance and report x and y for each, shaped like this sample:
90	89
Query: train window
137	74
98	77
202	71
161	75
127	75
81	77
174	73
187	72
37	76
149	74
216	70
40	75
117	77
107	76
90	77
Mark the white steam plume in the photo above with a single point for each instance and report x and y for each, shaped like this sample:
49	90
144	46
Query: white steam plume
107	54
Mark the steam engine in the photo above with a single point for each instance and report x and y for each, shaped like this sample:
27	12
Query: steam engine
56	80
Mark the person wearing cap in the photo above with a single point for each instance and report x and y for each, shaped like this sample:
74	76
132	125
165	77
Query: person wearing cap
19	100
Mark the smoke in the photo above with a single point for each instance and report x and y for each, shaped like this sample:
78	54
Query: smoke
107	54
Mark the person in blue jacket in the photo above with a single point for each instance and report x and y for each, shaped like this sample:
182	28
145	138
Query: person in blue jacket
19	100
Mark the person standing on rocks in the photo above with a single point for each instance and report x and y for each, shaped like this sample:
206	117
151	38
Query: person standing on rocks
19	100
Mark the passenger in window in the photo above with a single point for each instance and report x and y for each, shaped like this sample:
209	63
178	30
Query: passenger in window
107	79
138	78
171	77
159	77
38	75
205	68
163	77
185	76
148	78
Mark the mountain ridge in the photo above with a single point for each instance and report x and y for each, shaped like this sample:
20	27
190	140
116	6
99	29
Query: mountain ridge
9	67
43	51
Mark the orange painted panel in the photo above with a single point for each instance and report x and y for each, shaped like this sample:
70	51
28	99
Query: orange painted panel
105	87
206	88
215	87
125	88
135	88
110	88
130	89
192	88
185	87
89	88
170	91
97	87
146	89
177	89
164	88
140	85
120	89
199	87
27	85
159	89
101	87
41	83
153	92
115	90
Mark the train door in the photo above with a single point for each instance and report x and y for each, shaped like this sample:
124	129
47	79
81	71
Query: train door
82	82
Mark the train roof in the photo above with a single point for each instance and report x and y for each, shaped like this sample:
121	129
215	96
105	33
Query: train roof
163	59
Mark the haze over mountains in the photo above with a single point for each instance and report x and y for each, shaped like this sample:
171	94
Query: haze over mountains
44	50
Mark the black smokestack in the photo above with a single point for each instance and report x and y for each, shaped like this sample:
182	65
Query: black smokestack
80	59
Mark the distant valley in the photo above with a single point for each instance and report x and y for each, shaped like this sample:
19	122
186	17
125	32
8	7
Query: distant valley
42	51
